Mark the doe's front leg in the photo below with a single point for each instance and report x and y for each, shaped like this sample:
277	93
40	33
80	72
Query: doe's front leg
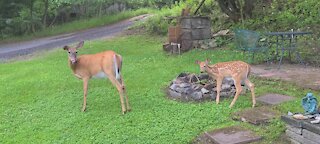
85	88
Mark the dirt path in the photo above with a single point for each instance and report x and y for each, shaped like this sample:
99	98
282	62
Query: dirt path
306	77
8	51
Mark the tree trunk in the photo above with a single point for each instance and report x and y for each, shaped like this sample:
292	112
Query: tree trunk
228	7
53	21
31	17
45	13
247	8
201	3
235	10
100	9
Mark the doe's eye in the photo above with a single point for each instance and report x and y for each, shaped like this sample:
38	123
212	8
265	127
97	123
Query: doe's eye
68	52
76	52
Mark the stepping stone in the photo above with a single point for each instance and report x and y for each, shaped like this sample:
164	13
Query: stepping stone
274	99
256	116
232	135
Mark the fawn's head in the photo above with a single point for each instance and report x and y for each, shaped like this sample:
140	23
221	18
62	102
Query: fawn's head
72	52
203	65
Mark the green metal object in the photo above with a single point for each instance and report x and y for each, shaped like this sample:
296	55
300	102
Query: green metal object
250	42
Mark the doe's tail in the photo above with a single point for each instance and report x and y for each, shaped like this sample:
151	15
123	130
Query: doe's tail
117	60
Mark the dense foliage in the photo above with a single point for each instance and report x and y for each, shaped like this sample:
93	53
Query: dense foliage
263	16
28	16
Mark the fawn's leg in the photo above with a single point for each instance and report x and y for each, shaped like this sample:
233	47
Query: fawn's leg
219	83
237	83
251	86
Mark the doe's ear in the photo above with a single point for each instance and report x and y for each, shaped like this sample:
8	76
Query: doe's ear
197	62
65	47
80	44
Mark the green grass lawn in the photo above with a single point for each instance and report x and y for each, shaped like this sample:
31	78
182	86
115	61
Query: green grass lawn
41	100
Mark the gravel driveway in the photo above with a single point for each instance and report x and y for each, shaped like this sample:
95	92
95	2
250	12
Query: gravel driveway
8	51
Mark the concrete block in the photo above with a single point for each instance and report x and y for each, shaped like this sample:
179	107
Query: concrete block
311	136
299	138
296	130
293	141
291	121
315	128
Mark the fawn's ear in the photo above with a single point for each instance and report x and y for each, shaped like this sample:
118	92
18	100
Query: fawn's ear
197	62
65	47
208	60
80	44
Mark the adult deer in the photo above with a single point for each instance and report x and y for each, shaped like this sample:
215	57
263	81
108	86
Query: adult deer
238	70
105	64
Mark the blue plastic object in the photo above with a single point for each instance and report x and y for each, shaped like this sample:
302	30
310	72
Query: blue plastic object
309	104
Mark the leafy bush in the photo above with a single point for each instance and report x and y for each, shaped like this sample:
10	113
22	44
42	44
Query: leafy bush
310	51
159	23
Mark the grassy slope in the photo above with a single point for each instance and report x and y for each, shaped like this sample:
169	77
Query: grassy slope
41	99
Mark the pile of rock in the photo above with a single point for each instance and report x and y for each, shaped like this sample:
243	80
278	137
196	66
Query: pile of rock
194	87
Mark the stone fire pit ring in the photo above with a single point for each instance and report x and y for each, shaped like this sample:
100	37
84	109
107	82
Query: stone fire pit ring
198	87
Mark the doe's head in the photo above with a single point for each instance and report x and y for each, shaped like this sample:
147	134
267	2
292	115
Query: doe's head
72	52
203	65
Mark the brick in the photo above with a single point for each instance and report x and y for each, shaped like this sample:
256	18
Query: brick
299	138
296	130
311	136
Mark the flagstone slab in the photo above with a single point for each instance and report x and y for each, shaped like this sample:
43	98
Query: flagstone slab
232	135
274	99
258	115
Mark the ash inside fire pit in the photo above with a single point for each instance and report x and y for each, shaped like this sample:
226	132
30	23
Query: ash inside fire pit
199	87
